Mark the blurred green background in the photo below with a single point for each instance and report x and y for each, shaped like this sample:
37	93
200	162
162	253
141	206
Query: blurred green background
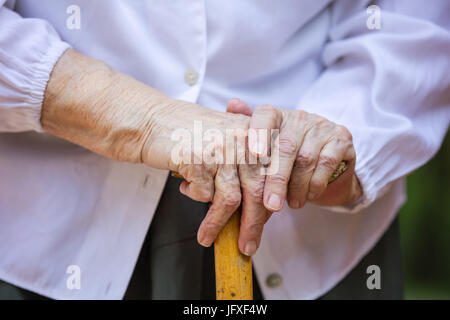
425	229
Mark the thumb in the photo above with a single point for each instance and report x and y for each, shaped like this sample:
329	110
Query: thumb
236	105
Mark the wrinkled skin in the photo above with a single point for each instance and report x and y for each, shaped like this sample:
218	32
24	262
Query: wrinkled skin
92	105
226	186
112	114
310	149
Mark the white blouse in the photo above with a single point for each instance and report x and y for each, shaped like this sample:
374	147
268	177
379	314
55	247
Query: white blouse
63	206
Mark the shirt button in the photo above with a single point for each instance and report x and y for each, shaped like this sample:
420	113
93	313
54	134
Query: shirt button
274	280
191	77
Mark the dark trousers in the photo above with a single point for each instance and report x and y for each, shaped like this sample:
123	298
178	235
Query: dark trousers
171	265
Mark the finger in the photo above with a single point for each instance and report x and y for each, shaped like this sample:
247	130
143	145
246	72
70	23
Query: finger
227	198
199	190
339	148
283	159
304	165
345	189
254	214
264	119
236	105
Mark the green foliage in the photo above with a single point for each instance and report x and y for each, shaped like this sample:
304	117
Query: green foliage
425	229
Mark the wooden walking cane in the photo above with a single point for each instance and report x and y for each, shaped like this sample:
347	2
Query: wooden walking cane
233	269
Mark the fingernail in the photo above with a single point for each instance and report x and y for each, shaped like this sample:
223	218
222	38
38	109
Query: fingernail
311	196
206	243
204	240
250	248
274	202
295	204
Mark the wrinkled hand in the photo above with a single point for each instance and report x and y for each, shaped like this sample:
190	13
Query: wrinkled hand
225	182
310	149
112	114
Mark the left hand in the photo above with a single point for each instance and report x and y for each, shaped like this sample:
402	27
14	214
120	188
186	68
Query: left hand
310	149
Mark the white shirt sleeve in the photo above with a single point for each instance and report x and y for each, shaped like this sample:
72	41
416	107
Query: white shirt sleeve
389	87
29	48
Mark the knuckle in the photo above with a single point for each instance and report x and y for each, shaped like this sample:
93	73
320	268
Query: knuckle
324	124
352	152
328	162
240	119
299	115
317	185
343	133
202	199
278	179
319	120
302	114
304	160
214	226
232	199
266	108
256	192
287	145
204	196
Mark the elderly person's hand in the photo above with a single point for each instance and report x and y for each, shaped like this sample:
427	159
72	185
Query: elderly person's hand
221	173
310	149
92	105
